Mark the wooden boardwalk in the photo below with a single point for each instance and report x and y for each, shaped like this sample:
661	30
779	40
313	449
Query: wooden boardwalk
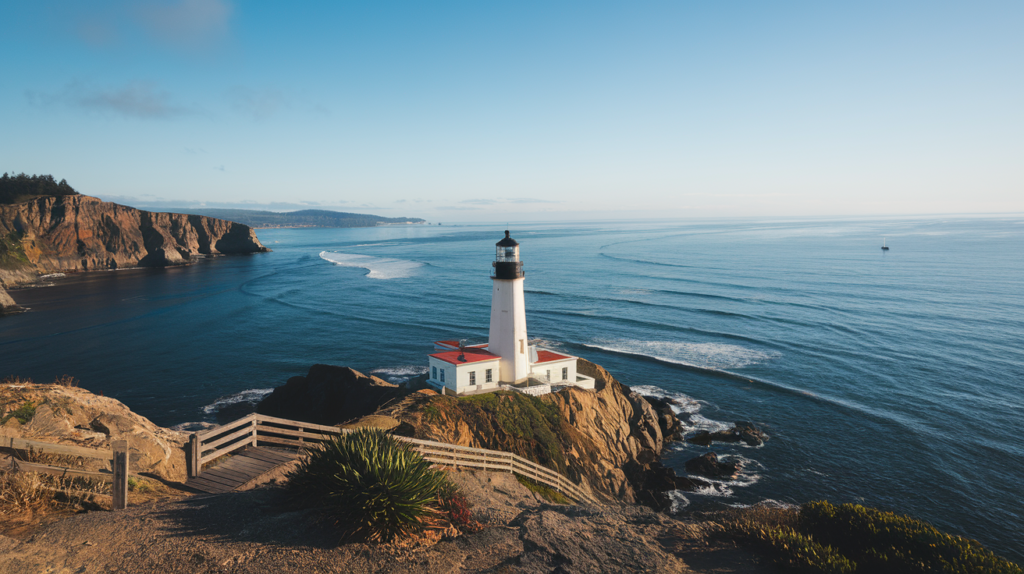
239	469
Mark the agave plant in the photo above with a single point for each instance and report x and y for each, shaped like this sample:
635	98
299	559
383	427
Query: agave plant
370	485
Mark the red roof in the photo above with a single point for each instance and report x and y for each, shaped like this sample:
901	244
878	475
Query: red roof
548	356
455	344
473	355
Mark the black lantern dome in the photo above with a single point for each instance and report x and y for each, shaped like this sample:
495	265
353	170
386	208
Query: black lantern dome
506	260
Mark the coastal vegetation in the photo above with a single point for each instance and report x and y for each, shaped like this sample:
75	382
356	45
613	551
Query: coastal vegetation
12	253
374	487
827	538
546	492
23	187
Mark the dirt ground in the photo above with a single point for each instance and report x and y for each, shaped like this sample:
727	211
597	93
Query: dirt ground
256	531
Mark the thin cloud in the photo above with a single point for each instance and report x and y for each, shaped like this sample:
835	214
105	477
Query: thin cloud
185	23
138	99
260	104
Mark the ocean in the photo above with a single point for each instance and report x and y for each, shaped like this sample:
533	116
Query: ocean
892	379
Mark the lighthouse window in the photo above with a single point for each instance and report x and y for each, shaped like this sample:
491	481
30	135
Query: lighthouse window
565	373
442	375
472	377
433	373
487	376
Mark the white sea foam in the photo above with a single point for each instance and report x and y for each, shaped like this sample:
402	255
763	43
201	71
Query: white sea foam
678	500
378	267
702	423
194	426
682	403
247	396
398	375
704	355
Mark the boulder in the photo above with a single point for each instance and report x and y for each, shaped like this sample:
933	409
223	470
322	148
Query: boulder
74	416
709	465
7	304
742	431
329	395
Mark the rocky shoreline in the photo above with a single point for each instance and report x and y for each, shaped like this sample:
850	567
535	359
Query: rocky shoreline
74	233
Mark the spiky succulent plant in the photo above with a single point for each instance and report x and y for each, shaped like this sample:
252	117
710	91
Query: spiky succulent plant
370	485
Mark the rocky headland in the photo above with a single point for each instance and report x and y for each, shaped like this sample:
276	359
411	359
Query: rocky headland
71	233
609	440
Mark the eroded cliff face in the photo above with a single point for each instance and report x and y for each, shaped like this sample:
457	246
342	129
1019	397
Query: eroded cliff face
610	440
7	305
80	233
70	415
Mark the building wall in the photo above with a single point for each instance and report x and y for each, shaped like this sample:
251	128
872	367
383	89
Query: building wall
555	367
457	377
507	336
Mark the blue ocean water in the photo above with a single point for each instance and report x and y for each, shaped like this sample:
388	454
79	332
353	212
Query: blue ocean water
893	378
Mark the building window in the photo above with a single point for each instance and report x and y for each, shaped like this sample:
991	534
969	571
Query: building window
472	377
547	376
565	373
433	373
487	376
442	375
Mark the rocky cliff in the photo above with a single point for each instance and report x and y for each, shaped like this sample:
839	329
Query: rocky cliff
70	415
7	305
80	233
609	439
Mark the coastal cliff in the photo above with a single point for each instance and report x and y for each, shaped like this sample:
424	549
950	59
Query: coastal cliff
71	415
82	233
609	440
7	305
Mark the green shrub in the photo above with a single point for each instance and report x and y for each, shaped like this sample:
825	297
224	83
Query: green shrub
370	485
543	490
886	542
792	550
24	413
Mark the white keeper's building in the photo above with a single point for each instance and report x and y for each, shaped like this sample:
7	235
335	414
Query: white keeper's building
507	360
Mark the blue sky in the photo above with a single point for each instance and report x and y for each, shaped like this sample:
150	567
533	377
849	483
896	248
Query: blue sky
476	111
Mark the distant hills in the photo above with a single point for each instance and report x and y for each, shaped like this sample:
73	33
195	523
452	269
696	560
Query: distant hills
303	218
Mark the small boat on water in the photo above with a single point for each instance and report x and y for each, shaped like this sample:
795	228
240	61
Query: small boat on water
884	248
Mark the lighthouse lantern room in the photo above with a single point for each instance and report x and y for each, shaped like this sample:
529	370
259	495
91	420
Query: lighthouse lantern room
507	360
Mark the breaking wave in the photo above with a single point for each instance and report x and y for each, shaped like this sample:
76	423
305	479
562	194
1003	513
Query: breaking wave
252	396
378	267
399	375
712	356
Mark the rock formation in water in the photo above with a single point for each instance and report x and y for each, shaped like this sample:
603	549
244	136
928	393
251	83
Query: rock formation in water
70	415
7	304
329	395
609	439
81	233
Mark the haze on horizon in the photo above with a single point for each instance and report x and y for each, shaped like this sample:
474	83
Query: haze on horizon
469	111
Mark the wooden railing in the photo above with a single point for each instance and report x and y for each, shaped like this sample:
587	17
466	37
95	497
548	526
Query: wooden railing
257	429
117	456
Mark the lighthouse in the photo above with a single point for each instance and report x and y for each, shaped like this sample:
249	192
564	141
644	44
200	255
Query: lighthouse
506	361
507	336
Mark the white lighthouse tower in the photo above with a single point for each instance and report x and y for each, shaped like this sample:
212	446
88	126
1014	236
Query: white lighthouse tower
507	337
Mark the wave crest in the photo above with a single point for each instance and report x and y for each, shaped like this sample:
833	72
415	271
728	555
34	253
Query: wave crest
378	267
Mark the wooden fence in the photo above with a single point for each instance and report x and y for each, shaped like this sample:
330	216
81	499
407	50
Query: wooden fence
117	456
257	429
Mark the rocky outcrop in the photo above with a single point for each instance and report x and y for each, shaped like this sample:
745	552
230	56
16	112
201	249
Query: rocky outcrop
329	395
708	465
7	304
70	415
81	233
742	431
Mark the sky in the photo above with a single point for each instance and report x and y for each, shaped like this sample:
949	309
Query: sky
522	111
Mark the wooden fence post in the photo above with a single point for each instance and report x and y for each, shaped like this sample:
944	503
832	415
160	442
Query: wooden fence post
254	421
120	486
193	455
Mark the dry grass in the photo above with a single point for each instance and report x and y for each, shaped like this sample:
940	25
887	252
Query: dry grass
22	492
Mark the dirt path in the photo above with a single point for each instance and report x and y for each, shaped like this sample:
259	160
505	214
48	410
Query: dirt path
256	531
